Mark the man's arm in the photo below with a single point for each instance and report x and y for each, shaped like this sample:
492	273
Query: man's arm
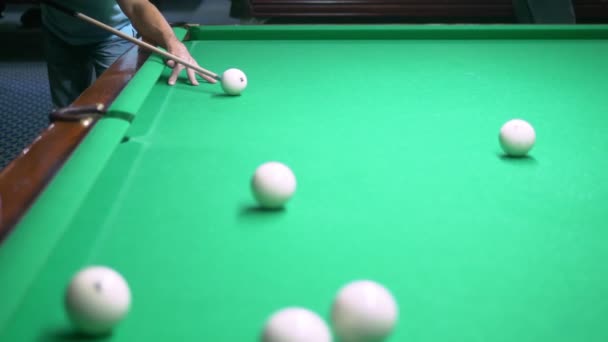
153	27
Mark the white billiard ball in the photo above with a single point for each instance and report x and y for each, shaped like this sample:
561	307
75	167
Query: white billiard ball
273	184
234	81
97	299
517	137
296	325
364	311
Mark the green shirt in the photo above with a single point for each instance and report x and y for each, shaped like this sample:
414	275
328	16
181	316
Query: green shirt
78	32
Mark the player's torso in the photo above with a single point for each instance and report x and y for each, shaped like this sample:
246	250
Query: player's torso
76	31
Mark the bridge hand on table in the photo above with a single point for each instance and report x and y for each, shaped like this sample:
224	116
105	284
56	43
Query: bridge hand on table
179	50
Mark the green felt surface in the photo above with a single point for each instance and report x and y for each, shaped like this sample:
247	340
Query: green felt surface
393	139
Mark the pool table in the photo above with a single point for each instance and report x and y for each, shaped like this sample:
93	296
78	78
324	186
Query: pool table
392	132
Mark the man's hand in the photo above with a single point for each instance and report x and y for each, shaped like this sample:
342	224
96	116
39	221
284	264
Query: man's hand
178	49
153	27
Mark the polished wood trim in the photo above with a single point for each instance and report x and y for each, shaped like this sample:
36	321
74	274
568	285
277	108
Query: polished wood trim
591	11
383	8
28	175
587	11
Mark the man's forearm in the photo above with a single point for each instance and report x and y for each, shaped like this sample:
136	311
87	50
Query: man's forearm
149	22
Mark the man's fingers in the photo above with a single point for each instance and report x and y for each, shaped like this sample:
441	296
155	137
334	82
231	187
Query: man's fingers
174	74
192	76
207	78
177	69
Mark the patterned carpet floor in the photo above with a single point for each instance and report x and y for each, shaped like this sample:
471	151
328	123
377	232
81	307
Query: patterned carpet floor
22	119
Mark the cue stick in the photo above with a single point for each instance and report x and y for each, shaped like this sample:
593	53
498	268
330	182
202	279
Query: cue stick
133	40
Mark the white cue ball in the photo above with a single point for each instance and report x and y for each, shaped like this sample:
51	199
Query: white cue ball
364	311
296	325
96	299
234	81
517	137
273	184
